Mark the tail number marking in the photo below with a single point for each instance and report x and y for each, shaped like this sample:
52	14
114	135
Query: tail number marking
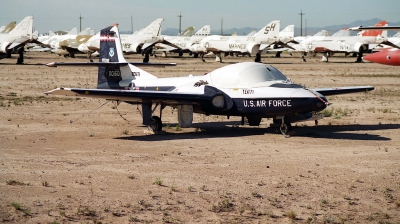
248	91
114	73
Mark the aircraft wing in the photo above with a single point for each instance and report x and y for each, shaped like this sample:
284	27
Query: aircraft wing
360	28
279	49
390	44
152	43
171	45
211	97
116	64
343	90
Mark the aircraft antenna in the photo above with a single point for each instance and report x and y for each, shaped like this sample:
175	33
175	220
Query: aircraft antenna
301	21
180	22
80	22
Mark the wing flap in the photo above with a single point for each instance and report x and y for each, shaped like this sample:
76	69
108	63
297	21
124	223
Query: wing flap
343	90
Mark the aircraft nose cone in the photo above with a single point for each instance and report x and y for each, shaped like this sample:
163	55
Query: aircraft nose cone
312	101
370	57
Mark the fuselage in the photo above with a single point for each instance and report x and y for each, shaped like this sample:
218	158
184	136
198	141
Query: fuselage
255	89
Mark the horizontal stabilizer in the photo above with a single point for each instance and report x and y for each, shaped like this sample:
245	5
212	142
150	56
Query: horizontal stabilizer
109	64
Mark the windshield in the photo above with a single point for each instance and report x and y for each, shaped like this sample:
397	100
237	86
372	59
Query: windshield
258	74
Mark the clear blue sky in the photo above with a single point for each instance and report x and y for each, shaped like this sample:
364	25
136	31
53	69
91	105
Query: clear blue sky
63	14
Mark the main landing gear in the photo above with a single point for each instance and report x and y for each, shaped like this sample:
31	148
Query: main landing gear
155	123
284	127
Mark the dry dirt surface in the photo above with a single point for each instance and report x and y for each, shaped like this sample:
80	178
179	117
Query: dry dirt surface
69	160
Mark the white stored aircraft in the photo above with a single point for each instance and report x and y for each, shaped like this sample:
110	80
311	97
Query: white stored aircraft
329	45
69	45
286	36
238	44
181	44
140	42
15	40
248	89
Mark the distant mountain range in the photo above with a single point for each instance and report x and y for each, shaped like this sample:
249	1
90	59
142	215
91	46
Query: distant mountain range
310	30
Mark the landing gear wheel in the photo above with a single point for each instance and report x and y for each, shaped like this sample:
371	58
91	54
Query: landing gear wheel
285	128
155	123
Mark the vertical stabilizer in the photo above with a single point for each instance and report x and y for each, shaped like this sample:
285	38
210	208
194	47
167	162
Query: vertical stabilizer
287	34
24	28
8	28
269	31
73	31
153	29
375	33
204	31
115	72
188	32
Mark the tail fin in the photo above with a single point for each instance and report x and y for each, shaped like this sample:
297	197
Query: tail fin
87	31
204	31
287	34
73	31
8	28
375	33
152	29
342	33
24	28
188	32
115	72
252	33
269	31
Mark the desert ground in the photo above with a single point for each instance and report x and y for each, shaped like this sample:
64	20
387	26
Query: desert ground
80	160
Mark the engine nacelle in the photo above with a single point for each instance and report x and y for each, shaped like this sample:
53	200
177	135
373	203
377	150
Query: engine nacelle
3	47
253	48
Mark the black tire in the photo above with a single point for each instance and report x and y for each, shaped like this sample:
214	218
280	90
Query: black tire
155	123
285	128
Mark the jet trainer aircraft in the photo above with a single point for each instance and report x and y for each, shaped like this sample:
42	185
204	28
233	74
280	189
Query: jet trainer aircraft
238	44
15	40
247	89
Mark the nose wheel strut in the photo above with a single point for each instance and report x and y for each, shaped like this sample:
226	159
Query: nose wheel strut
285	128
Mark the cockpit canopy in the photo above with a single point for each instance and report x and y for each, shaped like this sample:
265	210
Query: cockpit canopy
246	74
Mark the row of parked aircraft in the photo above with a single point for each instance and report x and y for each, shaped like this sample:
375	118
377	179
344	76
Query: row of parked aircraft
16	39
250	90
